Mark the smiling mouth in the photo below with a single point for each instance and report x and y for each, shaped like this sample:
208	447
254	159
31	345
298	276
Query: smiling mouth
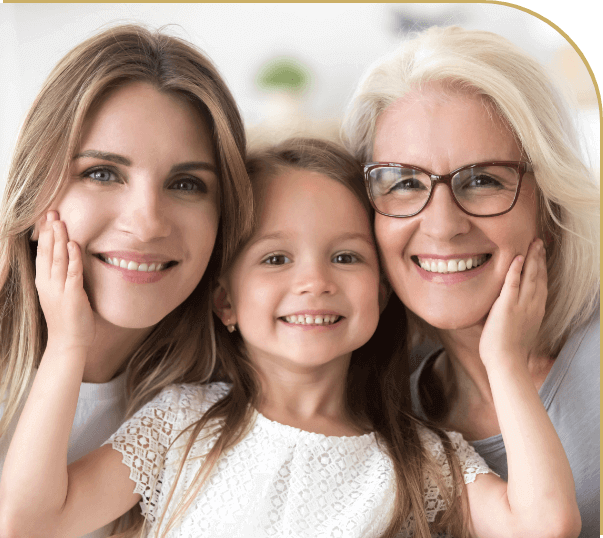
451	266
153	267
311	320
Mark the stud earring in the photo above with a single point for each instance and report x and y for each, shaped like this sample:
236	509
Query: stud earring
231	327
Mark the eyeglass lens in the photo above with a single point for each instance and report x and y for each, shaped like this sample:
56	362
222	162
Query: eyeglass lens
483	191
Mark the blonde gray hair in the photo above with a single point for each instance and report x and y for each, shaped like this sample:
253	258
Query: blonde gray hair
523	95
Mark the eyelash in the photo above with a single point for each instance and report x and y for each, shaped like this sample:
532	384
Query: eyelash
355	258
272	256
200	186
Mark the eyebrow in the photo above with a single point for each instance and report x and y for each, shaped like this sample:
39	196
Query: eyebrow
348	236
120	159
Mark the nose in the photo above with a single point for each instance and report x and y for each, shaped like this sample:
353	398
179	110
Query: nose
314	278
144	214
443	219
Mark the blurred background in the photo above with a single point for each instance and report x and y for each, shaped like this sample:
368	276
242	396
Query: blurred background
291	67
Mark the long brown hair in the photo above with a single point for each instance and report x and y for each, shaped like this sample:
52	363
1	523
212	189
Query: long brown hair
44	150
378	386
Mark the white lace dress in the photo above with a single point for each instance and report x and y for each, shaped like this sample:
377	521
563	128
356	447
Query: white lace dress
278	481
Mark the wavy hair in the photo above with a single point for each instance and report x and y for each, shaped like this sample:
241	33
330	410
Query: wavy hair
523	95
39	169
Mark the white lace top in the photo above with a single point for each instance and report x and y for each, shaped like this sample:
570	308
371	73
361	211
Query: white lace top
277	481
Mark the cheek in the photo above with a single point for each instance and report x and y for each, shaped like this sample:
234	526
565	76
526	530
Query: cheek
392	236
81	215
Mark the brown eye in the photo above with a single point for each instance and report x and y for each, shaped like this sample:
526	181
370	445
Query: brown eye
345	257
276	259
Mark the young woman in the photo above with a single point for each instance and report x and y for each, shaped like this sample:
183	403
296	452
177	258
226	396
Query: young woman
136	143
471	155
307	436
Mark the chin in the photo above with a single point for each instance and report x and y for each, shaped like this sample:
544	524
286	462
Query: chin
452	320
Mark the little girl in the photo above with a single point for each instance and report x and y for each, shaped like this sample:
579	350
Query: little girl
306	433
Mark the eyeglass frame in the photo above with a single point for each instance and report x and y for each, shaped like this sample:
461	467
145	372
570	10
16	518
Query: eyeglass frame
521	167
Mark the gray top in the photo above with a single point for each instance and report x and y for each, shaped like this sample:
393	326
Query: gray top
571	396
101	408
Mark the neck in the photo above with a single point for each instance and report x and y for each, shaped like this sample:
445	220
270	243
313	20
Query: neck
110	350
309	398
462	359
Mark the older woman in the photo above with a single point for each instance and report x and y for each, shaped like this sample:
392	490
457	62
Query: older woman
470	155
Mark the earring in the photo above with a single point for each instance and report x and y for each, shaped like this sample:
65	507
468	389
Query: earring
231	327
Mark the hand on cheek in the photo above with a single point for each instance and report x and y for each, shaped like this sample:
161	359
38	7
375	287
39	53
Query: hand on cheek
514	320
59	281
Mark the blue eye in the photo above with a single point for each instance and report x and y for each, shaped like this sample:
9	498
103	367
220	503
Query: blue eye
276	259
189	184
100	175
345	257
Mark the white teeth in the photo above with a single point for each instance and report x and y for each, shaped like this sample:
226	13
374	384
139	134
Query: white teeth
452	266
133	266
306	319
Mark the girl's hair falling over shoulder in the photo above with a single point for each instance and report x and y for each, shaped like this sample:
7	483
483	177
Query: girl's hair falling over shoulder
40	168
522	93
378	387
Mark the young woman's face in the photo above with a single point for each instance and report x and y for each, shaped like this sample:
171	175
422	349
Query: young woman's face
305	289
441	133
142	203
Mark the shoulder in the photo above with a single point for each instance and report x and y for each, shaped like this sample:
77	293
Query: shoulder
471	463
188	401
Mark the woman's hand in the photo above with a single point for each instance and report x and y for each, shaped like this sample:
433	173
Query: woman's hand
514	320
60	285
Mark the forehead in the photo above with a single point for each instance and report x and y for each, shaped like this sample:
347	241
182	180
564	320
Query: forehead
137	112
302	199
445	127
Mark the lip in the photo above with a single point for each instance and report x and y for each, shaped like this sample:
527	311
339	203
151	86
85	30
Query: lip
137	257
451	278
312	313
136	277
318	328
449	257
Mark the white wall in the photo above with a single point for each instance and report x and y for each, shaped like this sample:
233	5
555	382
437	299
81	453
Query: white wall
336	41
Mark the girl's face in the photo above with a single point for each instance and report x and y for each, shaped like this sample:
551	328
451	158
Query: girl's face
305	289
142	203
441	133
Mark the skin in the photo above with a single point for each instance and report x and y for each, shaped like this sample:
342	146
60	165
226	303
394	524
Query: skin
308	256
133	203
41	496
441	131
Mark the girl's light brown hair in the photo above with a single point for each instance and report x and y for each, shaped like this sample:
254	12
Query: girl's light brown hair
40	167
378	387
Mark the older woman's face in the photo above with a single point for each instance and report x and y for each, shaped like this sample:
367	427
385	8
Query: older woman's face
441	132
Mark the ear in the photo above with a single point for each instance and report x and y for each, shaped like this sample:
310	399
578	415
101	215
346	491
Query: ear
222	306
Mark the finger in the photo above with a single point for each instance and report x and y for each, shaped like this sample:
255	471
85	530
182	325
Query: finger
60	258
75	268
45	248
530	272
510	289
542	278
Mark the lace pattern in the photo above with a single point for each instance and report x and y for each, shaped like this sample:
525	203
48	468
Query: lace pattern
277	481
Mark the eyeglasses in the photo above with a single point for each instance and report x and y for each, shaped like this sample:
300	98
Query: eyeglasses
485	189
